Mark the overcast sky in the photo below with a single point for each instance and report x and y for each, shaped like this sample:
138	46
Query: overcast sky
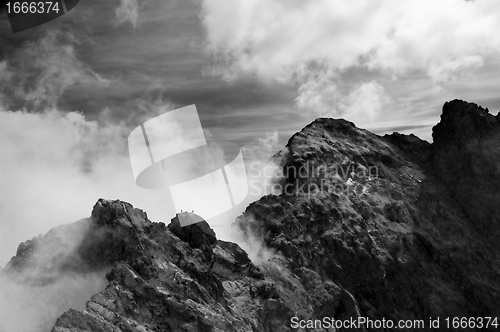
258	71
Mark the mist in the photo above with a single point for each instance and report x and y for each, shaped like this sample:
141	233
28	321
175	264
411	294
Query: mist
26	308
56	162
55	166
45	279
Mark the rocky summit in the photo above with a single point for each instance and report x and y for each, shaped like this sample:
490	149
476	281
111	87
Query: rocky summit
360	226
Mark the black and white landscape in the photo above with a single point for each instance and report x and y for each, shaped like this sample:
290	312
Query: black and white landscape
372	144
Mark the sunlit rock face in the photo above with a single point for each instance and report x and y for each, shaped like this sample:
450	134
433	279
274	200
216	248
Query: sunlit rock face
367	226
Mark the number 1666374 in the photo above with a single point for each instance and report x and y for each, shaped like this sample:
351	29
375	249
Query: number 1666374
41	7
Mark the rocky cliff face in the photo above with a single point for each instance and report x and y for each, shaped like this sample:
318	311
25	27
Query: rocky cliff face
467	159
365	226
413	240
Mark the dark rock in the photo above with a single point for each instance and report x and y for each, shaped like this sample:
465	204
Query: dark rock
198	235
380	227
400	244
170	279
110	213
467	159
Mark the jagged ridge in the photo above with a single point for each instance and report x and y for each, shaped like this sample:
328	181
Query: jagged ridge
415	241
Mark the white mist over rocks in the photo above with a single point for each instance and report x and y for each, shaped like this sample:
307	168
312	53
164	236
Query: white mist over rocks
41	283
55	166
257	163
26	308
56	163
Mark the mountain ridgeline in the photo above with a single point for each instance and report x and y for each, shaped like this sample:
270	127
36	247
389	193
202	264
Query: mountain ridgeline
382	227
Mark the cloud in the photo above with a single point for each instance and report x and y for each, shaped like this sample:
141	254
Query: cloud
56	161
252	242
259	177
262	168
25	308
127	12
59	163
32	298
262	149
316	44
5	74
41	71
365	103
318	93
451	70
272	37
54	167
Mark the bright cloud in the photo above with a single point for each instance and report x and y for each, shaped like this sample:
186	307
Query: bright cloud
128	12
364	103
313	43
55	165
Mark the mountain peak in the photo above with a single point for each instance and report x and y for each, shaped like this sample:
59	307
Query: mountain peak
198	235
466	158
367	226
114	212
335	127
462	121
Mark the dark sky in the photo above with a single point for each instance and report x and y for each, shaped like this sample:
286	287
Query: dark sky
120	68
131	52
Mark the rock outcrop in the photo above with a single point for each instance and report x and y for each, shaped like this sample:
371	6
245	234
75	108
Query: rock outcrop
387	224
366	226
467	159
